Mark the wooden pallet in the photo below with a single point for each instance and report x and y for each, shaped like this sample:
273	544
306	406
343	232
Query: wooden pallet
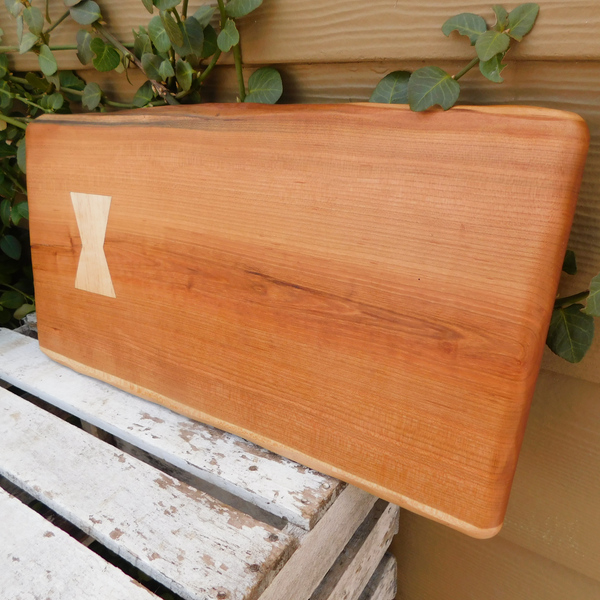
202	512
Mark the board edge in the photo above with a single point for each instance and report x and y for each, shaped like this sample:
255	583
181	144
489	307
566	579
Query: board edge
391	496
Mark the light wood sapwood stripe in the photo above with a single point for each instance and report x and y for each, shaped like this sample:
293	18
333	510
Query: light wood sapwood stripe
358	561
320	547
275	484
183	538
288	31
38	560
382	585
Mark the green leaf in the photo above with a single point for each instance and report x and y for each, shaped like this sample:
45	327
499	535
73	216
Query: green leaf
172	28
37	83
48	63
264	86
392	89
107	58
521	20
166	4
3	66
21	155
23	209
209	47
69	3
571	332
142	44
148	5
228	36
165	70
151	64
92	96
5	211
593	300
1	33
158	35
7	150
144	95
429	86
86	12
492	68
240	8
467	24
28	41
185	74
491	43
11	299
193	38
570	263
34	18
5	95
11	246
84	51
204	14
52	102
14	7
501	17
23	311
70	80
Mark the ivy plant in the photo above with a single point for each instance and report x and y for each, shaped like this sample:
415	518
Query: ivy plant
431	86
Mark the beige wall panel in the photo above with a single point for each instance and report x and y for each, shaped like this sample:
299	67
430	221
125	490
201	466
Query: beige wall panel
554	507
302	31
437	563
292	31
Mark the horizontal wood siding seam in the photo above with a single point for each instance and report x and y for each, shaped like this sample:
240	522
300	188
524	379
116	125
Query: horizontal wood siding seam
289	31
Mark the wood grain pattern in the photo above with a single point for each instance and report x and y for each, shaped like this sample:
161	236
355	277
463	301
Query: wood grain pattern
38	557
319	31
335	295
91	213
382	586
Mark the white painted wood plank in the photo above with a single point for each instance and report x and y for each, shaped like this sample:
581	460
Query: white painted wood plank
39	561
358	561
383	585
196	546
275	484
320	547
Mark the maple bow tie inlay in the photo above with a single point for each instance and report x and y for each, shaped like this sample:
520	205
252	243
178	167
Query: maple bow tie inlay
91	212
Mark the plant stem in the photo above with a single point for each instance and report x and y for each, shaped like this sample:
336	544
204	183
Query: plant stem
4	49
210	66
472	64
568	300
159	87
15	182
20	80
223	13
12	121
20	292
58	21
184	9
25	101
237	57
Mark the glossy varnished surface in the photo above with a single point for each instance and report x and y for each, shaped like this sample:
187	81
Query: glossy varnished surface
360	288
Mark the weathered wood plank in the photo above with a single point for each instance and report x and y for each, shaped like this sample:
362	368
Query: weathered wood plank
183	538
39	561
358	561
382	585
288	31
320	547
279	486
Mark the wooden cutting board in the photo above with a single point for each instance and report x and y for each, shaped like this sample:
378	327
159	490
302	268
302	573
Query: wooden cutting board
360	288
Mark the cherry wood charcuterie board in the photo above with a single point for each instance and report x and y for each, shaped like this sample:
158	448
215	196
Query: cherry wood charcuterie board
360	288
